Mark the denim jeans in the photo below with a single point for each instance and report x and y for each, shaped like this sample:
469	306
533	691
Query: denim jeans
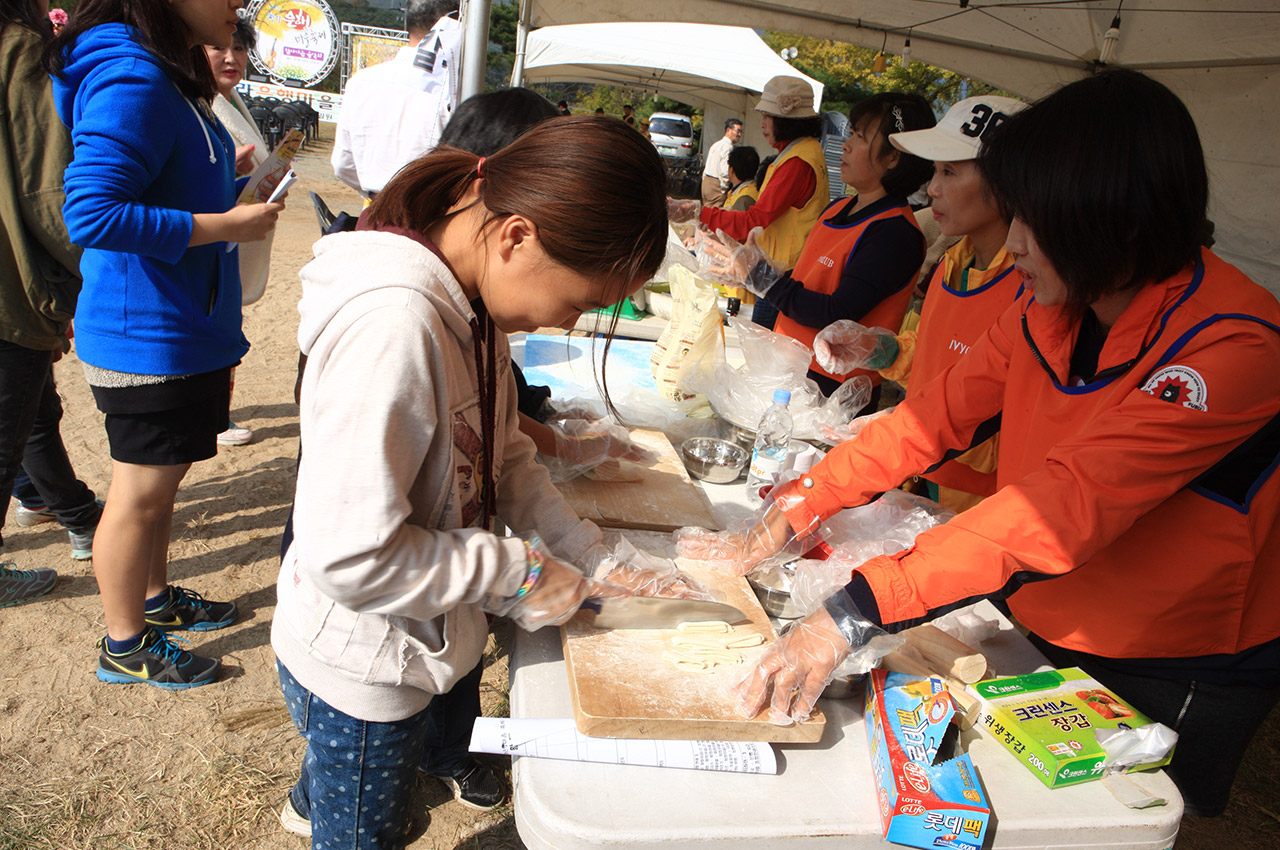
357	776
30	413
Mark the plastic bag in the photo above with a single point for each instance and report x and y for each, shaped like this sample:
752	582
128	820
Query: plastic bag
884	527
693	332
772	361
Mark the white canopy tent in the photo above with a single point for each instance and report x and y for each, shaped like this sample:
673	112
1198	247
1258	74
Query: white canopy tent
1223	59
719	69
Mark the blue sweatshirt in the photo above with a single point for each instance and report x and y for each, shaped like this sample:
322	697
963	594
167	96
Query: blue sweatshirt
146	159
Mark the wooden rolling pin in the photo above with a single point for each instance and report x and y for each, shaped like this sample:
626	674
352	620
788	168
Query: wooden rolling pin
904	660
945	654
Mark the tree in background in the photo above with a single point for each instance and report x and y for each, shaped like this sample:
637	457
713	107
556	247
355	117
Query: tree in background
847	73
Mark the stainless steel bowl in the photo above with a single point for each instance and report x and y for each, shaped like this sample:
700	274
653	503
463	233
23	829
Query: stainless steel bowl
773	589
714	461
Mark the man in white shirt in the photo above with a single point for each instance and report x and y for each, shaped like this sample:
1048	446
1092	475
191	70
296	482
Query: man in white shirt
394	112
715	172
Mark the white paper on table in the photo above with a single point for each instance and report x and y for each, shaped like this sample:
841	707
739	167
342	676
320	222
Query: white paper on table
560	739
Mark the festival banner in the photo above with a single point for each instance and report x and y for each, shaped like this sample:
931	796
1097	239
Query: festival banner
297	39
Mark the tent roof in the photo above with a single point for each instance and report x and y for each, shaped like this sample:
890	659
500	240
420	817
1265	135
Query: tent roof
697	64
1026	47
1222	59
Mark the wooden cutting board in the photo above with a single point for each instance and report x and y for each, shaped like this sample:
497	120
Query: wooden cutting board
664	498
622	688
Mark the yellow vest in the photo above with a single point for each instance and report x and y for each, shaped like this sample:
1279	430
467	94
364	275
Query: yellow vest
746	190
783	239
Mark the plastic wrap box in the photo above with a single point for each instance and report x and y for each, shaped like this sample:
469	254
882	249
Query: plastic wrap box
1047	720
922	804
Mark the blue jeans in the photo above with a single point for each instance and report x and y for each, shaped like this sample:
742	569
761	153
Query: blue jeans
357	776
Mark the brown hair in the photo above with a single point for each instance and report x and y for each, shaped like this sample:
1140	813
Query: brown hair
159	29
591	185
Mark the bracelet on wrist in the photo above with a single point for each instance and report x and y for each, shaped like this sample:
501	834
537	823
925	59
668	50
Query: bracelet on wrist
535	569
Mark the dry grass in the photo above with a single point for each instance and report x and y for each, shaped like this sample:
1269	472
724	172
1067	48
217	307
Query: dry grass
223	802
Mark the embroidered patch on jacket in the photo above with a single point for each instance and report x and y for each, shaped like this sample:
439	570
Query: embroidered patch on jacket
469	453
1179	385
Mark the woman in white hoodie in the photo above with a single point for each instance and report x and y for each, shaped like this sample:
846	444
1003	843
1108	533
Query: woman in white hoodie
408	411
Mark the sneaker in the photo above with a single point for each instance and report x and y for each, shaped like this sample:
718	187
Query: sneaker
292	821
191	611
476	786
82	544
158	662
235	436
20	585
28	518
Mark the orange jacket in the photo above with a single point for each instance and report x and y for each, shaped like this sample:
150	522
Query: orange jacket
951	321
1147	497
822	261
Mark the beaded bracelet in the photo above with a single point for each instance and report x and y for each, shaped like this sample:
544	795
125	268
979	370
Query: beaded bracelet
535	570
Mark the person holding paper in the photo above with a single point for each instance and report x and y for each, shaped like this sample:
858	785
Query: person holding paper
228	64
1135	529
151	200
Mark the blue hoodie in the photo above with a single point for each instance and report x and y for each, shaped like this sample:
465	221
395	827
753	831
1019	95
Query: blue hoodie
146	159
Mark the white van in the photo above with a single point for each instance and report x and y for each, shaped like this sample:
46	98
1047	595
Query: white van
671	134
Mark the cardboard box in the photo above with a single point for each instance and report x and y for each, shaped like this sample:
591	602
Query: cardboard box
1047	721
922	804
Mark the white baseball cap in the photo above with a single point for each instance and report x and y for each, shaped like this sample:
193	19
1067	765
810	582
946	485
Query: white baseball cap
958	136
787	97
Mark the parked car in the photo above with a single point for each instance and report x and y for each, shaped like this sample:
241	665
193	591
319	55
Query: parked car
671	134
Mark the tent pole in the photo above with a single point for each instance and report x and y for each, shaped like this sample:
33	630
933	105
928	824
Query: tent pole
522	41
475	47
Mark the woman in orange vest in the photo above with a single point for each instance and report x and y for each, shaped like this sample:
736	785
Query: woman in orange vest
1135	530
968	289
860	259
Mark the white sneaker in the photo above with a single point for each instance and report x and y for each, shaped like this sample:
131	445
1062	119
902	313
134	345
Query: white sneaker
235	436
294	822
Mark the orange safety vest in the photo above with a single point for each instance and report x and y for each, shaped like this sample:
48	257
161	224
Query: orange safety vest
785	236
951	321
827	252
1146	500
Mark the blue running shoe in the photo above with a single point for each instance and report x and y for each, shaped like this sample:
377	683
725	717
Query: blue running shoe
189	610
20	585
158	662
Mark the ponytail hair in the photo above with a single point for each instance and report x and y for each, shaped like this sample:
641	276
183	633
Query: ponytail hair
593	187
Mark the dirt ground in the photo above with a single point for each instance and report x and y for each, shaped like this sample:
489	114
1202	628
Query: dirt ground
89	765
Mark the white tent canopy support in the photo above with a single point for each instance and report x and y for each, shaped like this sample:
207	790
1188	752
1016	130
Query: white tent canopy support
1223	62
720	69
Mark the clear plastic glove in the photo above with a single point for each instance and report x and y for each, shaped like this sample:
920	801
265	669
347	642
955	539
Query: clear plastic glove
845	345
745	549
738	264
836	436
683	210
584	444
835	640
645	575
552	591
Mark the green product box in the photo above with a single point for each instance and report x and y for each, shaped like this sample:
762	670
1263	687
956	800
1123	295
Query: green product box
1047	721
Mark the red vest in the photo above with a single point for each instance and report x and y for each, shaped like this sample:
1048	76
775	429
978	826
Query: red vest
827	252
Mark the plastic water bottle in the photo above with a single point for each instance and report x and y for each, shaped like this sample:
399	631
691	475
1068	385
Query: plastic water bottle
773	440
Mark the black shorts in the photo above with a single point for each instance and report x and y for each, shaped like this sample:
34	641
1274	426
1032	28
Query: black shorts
168	424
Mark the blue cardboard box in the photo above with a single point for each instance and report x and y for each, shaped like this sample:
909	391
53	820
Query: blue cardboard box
922	804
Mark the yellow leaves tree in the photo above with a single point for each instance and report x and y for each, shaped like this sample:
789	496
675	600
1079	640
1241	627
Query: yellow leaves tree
848	73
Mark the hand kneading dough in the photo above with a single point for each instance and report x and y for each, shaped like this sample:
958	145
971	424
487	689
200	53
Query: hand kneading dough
615	472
